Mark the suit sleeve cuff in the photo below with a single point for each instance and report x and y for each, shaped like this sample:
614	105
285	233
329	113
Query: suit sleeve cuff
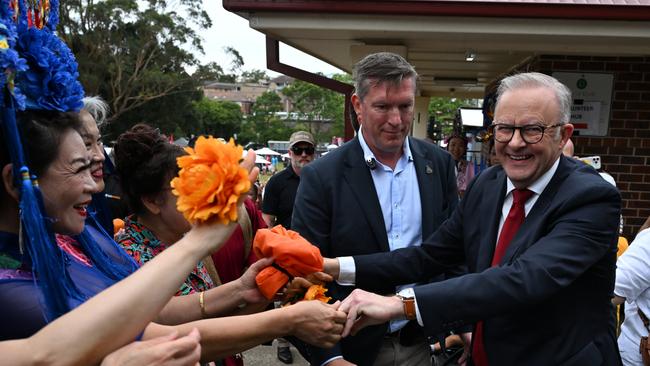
330	360
408	292
347	271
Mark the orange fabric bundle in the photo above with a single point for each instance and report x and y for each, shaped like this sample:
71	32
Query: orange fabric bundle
290	251
210	181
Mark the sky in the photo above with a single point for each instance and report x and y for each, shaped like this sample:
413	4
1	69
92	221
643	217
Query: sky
229	29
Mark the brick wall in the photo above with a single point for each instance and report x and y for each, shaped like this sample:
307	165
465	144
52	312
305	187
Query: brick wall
625	151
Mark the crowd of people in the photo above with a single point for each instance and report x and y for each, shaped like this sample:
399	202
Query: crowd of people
519	262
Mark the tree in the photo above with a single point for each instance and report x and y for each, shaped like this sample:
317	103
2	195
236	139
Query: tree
237	61
253	76
216	118
131	53
317	106
444	111
212	71
263	124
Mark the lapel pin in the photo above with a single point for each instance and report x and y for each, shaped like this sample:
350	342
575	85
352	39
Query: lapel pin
428	170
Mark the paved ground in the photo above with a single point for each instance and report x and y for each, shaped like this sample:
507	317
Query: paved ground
266	356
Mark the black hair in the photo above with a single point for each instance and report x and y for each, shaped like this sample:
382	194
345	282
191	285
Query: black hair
146	162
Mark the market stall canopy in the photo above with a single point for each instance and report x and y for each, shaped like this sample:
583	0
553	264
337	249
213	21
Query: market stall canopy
266	151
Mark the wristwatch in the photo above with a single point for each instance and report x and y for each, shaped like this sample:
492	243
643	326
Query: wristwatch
409	307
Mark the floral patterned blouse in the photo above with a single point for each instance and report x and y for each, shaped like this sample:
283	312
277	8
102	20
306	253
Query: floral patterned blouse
142	244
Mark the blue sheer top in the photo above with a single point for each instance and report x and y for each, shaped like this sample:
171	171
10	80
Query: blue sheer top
21	301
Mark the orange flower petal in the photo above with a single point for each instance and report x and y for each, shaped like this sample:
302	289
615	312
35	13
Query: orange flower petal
210	181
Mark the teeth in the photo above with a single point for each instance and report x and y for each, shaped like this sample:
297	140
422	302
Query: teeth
518	157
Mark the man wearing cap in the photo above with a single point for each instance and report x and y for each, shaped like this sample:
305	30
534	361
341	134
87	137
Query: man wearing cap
381	191
279	195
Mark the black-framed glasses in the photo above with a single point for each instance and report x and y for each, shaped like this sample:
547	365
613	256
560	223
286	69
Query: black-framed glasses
531	134
309	150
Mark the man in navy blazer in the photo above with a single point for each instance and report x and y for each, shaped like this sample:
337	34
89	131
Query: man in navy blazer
380	191
548	299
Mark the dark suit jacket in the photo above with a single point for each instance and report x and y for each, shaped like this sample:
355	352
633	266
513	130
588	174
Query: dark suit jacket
548	302
337	209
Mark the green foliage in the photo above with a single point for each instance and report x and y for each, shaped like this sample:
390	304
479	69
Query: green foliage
211	72
316	105
263	124
216	118
253	76
444	110
131	53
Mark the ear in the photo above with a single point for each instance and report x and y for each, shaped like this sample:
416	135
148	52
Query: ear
567	132
356	104
152	203
8	182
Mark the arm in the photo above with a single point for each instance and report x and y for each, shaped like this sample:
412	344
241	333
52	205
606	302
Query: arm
632	270
270	203
115	316
312	321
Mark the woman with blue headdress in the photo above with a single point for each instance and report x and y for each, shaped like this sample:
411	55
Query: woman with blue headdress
42	280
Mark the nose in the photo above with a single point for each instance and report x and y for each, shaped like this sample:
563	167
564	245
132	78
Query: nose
98	153
89	183
517	140
394	116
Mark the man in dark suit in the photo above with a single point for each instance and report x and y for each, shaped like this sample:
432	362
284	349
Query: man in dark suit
541	296
379	192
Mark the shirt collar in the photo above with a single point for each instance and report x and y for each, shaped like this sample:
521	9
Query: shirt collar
540	184
368	155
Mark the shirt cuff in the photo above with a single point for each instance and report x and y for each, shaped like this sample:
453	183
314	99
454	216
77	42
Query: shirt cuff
408	292
330	360
347	271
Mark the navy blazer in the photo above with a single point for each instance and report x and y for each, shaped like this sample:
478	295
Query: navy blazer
337	209
549	300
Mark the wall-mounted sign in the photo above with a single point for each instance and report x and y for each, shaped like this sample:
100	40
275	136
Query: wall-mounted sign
592	100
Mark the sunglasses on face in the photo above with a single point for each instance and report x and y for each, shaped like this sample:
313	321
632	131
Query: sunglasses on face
299	150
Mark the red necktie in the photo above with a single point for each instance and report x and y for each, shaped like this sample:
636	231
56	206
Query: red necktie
515	218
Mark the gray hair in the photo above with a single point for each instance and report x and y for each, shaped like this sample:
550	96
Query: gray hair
536	79
97	108
378	68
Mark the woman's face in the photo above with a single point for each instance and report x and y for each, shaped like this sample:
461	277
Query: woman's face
92	139
67	185
456	148
170	215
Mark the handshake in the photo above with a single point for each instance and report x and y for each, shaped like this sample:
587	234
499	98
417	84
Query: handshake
323	325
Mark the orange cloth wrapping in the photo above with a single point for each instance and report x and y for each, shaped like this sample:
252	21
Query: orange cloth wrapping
290	251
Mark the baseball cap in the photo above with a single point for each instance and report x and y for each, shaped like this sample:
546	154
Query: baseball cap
301	136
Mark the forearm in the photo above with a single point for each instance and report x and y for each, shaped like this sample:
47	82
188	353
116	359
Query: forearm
115	316
221	337
219	301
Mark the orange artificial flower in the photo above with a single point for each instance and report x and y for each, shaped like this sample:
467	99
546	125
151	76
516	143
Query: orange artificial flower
317	292
210	181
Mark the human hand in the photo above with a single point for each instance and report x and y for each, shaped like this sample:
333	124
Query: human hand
365	308
253	171
316	323
332	267
467	344
248	287
301	284
169	350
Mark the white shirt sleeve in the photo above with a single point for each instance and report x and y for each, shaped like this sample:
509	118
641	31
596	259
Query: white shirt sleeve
347	271
632	269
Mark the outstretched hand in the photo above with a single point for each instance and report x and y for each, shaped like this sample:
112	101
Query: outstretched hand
317	323
169	350
300	284
365	308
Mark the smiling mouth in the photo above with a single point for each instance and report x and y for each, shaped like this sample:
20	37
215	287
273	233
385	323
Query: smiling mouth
98	173
82	208
519	157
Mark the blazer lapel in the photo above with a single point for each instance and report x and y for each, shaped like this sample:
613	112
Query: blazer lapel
424	169
357	175
493	198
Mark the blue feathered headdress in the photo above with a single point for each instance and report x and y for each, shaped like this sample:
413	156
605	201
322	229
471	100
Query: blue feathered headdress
40	72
